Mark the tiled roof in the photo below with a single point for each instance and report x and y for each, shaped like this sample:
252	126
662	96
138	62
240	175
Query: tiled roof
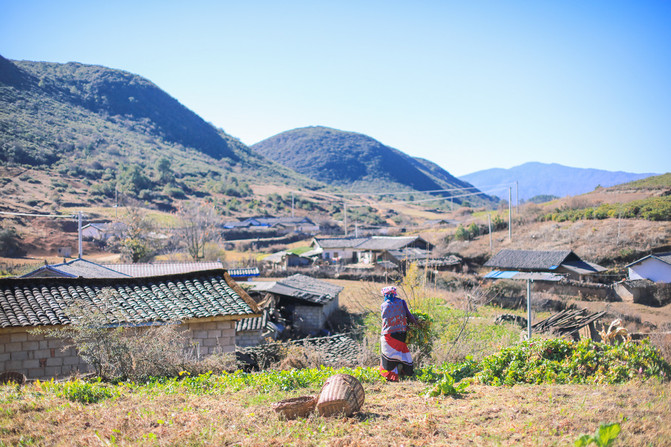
307	288
340	242
243	271
531	259
160	269
387	242
440	262
368	243
252	324
75	268
44	301
409	254
336	350
301	287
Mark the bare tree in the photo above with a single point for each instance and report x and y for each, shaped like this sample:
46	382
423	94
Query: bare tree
198	227
136	245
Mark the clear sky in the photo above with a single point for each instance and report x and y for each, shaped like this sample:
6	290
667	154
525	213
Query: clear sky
469	85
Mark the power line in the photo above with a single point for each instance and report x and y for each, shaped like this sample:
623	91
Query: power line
70	216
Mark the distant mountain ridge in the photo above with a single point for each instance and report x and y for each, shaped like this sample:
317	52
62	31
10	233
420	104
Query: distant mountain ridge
536	179
355	161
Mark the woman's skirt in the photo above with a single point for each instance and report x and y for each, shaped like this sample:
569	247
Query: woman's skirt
395	356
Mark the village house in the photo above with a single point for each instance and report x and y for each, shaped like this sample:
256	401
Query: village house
285	224
103	231
206	303
366	250
564	263
282	260
655	267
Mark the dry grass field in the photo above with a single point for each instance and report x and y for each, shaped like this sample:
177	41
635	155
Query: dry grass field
393	415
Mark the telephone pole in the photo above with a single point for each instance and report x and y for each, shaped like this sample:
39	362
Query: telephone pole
510	216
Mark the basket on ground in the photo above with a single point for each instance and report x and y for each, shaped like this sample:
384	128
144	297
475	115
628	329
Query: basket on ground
11	376
341	394
297	407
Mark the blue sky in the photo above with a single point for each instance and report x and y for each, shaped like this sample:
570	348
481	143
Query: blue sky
469	85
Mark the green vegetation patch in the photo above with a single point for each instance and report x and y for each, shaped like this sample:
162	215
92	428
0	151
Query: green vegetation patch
563	362
652	208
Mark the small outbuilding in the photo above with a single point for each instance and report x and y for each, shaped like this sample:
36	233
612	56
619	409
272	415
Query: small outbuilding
304	303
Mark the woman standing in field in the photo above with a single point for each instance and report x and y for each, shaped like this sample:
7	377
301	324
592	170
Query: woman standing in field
396	359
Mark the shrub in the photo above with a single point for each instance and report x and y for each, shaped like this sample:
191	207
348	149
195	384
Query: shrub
122	353
10	244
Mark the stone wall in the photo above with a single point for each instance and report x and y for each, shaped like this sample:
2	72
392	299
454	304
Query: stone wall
584	290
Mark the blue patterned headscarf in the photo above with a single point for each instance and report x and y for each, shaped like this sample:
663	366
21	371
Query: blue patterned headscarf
389	293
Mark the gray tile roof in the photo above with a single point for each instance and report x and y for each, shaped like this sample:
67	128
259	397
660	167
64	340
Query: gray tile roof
252	324
301	287
387	242
340	242
440	262
531	259
142	270
368	243
75	268
44	301
409	254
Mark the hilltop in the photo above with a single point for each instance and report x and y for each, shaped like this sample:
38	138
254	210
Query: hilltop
360	163
548	179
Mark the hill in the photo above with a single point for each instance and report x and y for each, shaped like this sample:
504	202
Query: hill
535	179
359	163
75	133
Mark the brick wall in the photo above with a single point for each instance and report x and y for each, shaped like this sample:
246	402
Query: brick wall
43	358
213	337
247	338
36	356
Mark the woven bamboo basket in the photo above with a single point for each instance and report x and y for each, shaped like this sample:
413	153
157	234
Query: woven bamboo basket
341	394
297	407
11	376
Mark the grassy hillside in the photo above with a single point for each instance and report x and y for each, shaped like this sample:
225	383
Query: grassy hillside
358	162
92	129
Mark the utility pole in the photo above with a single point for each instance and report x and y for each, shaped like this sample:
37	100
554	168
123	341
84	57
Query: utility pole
510	216
345	219
489	221
292	204
79	231
528	309
517	198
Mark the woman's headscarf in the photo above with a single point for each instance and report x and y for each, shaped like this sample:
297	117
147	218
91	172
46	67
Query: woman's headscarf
389	292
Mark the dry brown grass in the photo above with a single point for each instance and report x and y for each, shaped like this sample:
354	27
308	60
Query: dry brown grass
393	414
593	240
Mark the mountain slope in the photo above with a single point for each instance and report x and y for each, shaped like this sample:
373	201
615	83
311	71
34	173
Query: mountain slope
355	161
536	179
97	129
